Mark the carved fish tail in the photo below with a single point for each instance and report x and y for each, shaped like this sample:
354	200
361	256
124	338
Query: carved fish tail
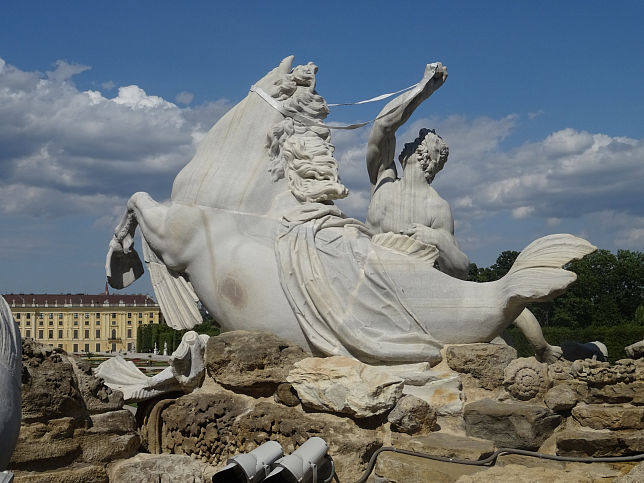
537	274
10	342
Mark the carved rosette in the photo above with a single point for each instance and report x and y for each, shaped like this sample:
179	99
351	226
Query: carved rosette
526	378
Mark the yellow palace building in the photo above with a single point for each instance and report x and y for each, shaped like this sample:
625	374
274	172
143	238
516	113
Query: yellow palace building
83	322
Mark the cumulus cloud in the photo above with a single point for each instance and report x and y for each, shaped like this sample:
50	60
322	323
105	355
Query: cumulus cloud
184	97
66	151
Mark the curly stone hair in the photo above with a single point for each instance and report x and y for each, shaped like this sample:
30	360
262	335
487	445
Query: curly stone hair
431	152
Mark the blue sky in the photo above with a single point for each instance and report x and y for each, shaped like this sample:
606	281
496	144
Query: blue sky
542	110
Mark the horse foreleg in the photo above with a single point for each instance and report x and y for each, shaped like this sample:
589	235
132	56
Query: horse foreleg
123	265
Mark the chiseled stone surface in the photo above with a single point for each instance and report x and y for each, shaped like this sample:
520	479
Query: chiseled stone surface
524	474
636	475
397	467
609	416
253	363
412	415
444	393
510	424
616	393
119	422
76	473
286	395
445	444
145	468
589	442
561	398
635	351
402	468
343	385
486	362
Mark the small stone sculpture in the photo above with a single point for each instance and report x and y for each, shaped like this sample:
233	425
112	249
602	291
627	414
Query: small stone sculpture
525	378
185	373
251	231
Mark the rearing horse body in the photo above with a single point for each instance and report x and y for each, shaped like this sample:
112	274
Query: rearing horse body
217	229
271	252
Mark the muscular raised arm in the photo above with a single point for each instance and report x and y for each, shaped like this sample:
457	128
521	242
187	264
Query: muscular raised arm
382	139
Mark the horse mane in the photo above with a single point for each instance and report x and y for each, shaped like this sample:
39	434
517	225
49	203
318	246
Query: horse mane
303	154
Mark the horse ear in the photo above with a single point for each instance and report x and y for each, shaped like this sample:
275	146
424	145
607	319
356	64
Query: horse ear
286	65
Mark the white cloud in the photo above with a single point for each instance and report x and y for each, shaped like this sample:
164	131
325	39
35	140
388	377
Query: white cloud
184	97
65	151
65	71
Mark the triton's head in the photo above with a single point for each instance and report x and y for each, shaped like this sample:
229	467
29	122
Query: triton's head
428	150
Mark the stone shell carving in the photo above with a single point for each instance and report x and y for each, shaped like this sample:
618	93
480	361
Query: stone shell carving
525	378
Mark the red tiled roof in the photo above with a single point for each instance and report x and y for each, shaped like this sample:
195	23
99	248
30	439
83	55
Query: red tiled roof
39	299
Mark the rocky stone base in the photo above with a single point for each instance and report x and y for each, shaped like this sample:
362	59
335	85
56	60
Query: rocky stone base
72	424
260	388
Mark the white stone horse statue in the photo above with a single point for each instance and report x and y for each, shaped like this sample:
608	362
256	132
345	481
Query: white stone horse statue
251	231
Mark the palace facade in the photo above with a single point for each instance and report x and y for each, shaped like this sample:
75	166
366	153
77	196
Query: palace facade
83	322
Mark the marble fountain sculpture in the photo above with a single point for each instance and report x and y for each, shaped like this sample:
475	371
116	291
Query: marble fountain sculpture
251	231
10	385
185	372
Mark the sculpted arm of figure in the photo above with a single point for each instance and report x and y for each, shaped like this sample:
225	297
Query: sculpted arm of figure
381	146
451	259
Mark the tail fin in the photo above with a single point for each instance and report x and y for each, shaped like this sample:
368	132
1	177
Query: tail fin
10	342
536	275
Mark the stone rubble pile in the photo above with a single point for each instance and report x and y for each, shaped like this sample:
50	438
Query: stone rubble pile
259	388
72	424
